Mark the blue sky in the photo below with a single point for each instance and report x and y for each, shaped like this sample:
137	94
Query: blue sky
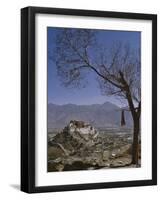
91	94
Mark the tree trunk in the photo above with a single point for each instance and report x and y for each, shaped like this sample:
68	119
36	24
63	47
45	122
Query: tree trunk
135	145
136	127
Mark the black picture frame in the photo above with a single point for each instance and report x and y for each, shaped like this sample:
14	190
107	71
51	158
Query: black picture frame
28	98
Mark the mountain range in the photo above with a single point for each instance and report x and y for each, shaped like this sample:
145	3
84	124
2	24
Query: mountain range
98	115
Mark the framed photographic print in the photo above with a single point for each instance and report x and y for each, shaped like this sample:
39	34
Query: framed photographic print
88	99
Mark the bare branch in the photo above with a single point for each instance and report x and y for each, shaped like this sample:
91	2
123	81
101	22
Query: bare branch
118	74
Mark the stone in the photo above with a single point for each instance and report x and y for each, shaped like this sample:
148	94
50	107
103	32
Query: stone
106	155
59	167
113	155
57	160
80	146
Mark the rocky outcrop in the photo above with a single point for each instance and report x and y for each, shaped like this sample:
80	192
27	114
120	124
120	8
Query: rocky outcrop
80	146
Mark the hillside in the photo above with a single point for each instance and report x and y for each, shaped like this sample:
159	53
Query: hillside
99	115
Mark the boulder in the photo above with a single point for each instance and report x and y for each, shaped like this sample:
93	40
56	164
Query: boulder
106	155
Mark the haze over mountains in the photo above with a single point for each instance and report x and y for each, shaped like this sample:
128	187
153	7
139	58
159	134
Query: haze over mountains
99	115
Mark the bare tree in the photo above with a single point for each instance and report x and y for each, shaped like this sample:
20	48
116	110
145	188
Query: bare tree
117	70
